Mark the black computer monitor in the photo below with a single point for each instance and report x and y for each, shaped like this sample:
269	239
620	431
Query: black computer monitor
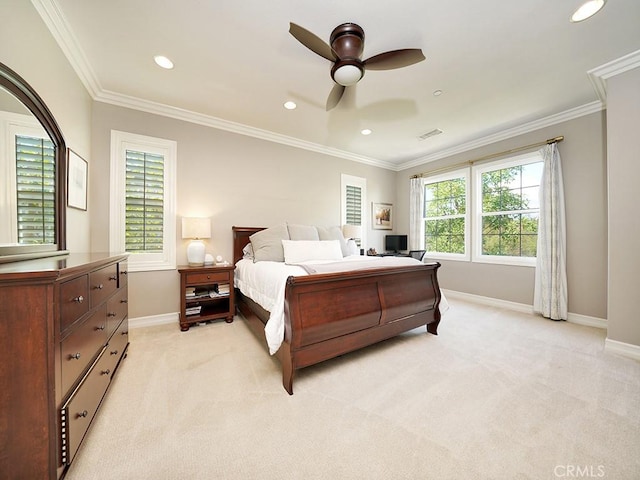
395	243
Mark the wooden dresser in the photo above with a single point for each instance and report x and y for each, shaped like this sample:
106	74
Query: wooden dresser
63	334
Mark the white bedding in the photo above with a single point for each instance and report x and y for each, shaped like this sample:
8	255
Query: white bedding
264	282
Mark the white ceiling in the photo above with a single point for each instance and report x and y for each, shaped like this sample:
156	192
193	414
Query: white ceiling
500	64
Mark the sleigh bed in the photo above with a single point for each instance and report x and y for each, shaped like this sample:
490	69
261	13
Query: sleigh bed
329	314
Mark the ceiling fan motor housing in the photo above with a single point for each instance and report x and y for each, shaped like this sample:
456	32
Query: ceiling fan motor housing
347	41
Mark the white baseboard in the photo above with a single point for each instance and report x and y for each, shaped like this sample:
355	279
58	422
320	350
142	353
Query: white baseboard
153	320
621	348
524	308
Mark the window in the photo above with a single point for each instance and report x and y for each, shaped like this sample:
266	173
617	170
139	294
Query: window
445	215
507	210
27	205
353	203
35	190
143	200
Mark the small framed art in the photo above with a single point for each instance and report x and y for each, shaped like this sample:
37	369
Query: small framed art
382	216
77	174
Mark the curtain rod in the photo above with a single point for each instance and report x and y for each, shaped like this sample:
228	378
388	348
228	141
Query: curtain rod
487	157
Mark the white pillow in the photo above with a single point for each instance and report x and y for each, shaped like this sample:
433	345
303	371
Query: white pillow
297	251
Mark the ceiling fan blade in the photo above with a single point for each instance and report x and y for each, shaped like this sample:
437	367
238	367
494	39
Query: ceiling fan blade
334	96
312	42
394	59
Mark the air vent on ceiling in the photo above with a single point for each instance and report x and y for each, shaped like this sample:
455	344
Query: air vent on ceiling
432	133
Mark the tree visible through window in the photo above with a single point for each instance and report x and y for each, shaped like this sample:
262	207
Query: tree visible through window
144	208
510	210
445	206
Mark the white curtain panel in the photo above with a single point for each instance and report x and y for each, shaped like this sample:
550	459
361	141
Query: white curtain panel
550	290
416	203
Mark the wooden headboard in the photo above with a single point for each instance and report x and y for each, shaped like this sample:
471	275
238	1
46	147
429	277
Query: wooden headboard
241	239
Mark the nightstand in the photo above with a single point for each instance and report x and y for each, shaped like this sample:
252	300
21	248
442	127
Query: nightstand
206	293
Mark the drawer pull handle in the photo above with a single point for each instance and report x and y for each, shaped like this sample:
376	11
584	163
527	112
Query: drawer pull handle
83	414
111	314
124	272
74	356
113	278
124	301
125	333
99	328
79	299
99	286
115	352
106	372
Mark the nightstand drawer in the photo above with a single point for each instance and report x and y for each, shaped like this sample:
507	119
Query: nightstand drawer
206	278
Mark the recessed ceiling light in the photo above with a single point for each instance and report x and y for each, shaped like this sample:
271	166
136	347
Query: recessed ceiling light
365	131
437	93
290	105
163	62
587	9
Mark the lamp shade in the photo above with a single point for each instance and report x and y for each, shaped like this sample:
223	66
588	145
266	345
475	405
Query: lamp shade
193	227
352	231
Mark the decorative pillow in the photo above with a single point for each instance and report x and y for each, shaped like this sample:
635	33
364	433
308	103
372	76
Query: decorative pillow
296	251
334	233
247	251
267	244
302	232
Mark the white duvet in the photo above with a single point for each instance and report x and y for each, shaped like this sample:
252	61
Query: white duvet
265	282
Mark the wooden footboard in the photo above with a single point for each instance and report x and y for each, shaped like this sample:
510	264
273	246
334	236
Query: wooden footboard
327	315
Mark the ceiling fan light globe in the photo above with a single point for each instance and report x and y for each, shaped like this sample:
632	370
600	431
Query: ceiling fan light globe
347	75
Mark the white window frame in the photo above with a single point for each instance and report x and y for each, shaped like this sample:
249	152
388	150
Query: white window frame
12	124
120	143
463	172
361	182
477	171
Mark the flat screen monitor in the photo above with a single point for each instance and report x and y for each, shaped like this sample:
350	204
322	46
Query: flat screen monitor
395	243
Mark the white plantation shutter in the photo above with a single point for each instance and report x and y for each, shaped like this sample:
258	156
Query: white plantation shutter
35	190
144	204
354	205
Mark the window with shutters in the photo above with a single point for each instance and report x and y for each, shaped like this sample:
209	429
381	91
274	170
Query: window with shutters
35	190
27	202
353	203
143	200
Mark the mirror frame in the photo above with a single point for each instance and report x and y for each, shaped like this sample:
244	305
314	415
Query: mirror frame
16	85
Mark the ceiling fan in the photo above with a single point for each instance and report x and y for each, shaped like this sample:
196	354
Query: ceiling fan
345	48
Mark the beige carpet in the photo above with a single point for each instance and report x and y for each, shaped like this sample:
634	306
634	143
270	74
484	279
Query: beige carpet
497	395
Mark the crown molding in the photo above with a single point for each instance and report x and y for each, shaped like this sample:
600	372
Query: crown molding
599	75
551	120
55	21
155	108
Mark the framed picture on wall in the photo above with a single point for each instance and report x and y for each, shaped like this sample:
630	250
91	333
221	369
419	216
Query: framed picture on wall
77	181
382	216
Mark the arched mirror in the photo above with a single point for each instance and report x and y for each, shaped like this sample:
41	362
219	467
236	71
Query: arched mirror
33	168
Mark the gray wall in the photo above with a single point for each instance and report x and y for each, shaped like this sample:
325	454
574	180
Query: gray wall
623	148
584	171
27	47
235	180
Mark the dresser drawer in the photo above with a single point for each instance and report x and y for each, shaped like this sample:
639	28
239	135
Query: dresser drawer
80	347
123	274
74	300
77	413
116	310
102	284
207	278
117	345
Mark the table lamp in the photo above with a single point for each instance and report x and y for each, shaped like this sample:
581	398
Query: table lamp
352	231
196	229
